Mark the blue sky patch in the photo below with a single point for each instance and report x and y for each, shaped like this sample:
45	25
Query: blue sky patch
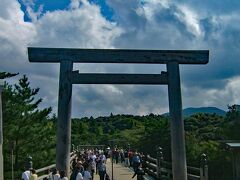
53	5
106	11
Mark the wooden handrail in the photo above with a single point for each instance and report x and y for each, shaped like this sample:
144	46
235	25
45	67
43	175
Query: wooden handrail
166	168
152	166
45	168
72	156
151	159
193	169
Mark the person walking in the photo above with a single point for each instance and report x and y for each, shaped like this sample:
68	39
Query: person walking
33	175
86	173
26	174
63	175
92	165
136	161
54	175
140	172
130	156
101	170
77	172
126	158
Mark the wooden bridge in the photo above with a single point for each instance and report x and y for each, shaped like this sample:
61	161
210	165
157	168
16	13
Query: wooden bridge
154	168
120	172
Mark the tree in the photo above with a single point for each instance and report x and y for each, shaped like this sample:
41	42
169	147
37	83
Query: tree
231	124
29	128
4	75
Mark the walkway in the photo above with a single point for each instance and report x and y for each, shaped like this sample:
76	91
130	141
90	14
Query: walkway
119	172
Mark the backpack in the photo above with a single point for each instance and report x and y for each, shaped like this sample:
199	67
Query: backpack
136	159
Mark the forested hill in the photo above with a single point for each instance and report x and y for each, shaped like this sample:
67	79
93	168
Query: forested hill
194	110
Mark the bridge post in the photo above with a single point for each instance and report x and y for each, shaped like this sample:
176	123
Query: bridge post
159	159
64	118
1	130
204	167
179	167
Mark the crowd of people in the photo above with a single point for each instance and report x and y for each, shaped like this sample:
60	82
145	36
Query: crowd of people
130	158
89	163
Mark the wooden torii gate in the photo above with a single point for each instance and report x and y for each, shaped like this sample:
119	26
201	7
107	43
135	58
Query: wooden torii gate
172	58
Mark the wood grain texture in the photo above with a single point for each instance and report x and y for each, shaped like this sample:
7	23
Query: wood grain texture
55	55
92	78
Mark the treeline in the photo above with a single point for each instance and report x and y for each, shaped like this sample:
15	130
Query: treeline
32	131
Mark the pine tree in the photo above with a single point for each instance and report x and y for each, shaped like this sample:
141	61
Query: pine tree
25	125
4	75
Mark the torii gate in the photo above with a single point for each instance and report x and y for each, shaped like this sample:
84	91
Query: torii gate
172	58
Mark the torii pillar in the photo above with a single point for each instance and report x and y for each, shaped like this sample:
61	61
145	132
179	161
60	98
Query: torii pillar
64	117
1	130
179	167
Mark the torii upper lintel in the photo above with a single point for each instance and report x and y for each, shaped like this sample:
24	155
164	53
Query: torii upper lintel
55	55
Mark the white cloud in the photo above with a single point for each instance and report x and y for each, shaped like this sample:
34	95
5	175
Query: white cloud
191	20
83	26
75	4
229	94
79	27
15	34
136	24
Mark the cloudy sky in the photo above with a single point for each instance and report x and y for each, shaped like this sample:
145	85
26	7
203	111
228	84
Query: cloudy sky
134	24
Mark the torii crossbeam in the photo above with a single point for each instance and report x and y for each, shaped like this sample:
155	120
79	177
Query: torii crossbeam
172	58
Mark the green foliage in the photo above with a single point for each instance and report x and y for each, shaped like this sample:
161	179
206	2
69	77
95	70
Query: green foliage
204	134
4	75
27	127
231	125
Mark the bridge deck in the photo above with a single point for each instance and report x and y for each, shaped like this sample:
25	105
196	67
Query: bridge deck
119	172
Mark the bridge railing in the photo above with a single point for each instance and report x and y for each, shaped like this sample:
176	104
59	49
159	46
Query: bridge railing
46	171
158	168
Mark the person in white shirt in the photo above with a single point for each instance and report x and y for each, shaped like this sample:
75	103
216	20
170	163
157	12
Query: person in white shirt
93	157
86	173
79	176
54	175
26	175
103	158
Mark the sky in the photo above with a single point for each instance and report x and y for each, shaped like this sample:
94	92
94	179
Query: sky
135	24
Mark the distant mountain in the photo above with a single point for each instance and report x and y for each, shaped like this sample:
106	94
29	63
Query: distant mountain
190	111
